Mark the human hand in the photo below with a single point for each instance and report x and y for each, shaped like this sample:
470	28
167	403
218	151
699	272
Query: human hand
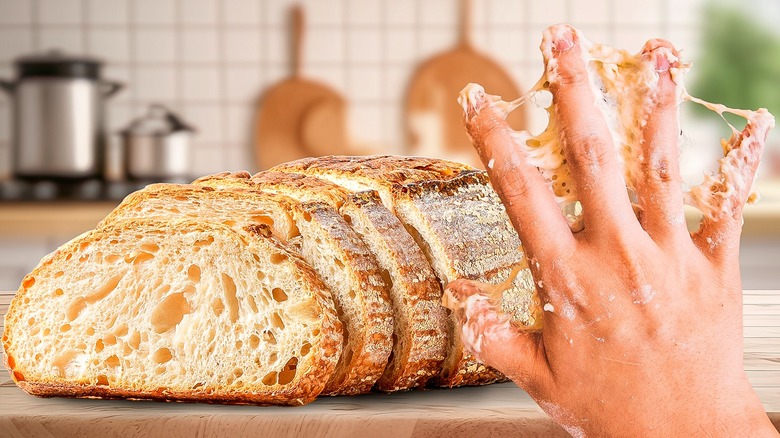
642	326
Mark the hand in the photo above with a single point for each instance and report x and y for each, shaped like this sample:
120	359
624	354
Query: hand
642	327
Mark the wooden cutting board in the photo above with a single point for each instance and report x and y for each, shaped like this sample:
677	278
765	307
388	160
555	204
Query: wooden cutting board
299	117
433	118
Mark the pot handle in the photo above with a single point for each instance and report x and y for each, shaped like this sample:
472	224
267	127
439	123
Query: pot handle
111	88
7	86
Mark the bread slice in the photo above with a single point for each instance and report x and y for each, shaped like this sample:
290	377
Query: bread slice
420	333
460	224
347	267
173	310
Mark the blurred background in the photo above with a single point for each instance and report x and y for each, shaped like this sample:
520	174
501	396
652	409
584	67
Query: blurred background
103	96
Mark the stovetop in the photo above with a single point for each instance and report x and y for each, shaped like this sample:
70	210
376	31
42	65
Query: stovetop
82	191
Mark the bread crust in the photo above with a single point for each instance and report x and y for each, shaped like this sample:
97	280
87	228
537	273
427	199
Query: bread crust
479	244
370	341
313	373
421	322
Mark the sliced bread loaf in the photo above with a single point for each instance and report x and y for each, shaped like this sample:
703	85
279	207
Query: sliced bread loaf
420	333
459	223
173	310
347	267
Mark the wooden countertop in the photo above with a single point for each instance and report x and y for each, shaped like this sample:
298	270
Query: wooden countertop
51	218
490	411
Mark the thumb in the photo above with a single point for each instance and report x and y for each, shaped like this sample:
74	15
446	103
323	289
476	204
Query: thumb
490	335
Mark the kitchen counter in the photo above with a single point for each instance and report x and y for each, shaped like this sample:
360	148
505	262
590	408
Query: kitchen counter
490	411
51	218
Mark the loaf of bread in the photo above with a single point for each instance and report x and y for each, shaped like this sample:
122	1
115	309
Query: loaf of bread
323	276
315	233
457	219
173	310
420	332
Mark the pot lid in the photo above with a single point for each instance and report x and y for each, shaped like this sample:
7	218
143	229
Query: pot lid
55	63
158	121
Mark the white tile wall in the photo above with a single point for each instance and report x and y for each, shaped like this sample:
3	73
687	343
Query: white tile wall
213	58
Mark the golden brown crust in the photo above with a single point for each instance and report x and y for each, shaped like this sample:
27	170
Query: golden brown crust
368	348
421	322
313	373
420	328
464	224
390	169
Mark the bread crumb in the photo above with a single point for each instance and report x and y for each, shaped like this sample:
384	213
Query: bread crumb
549	308
490	163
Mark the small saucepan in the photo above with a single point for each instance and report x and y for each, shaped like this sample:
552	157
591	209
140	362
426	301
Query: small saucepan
157	146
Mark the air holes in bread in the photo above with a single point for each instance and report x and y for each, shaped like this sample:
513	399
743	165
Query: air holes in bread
305	348
112	361
263	219
260	275
162	355
307	216
58	292
79	304
348	219
270	379
65	328
217	306
288	373
229	287
150	247
59	274
279	295
90	331
205	242
29	282
254	341
339	263
102	380
278	258
276	321
170	312
134	341
269	337
252	303
99	346
193	273
239	344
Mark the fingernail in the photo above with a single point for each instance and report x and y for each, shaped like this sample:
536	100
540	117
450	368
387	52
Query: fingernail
563	42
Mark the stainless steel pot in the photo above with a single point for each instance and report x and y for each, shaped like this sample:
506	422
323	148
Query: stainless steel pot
58	116
157	146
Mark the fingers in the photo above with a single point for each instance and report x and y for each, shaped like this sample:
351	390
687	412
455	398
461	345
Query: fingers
659	189
721	197
529	202
587	142
490	336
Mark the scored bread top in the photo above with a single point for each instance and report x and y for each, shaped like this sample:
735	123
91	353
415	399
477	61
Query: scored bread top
173	310
379	172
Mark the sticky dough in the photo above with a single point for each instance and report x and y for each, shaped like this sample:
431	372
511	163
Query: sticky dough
624	85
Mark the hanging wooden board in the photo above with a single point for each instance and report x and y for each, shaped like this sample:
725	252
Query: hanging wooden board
433	118
299	117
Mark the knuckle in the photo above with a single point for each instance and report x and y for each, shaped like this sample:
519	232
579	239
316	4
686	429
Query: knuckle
569	74
657	171
586	149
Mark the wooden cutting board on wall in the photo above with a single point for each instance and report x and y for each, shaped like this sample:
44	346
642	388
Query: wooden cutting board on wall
299	117
433	119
